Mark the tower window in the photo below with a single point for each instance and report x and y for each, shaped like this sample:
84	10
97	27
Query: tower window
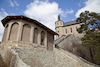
66	30
71	30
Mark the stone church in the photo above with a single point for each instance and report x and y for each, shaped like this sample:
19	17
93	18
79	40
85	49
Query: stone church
23	29
67	28
69	39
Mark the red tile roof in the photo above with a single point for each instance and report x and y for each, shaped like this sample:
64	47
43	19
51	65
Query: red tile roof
8	18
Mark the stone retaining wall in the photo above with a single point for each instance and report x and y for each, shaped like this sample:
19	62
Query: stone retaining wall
67	59
34	55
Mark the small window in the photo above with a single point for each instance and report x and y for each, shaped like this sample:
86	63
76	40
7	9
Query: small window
71	30
66	30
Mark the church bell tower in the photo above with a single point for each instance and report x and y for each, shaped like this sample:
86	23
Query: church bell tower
58	24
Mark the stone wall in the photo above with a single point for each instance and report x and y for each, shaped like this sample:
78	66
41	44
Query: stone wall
50	39
2	63
67	59
9	58
73	44
33	55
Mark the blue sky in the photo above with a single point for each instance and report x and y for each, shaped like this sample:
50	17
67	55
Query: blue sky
17	7
46	11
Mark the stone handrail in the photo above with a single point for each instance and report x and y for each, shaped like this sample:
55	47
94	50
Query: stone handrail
60	39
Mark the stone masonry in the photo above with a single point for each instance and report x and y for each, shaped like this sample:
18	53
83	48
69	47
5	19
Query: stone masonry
33	55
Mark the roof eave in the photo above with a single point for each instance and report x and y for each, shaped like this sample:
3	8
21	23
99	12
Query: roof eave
8	18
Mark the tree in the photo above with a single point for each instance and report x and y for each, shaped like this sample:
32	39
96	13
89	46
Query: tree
92	40
91	21
91	27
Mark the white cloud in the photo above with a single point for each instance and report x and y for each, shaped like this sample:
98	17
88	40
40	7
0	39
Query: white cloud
3	13
90	5
65	13
13	3
16	3
45	12
81	2
79	5
69	11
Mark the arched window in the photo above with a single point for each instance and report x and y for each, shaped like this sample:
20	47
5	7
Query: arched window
26	33
5	33
42	37
35	36
14	32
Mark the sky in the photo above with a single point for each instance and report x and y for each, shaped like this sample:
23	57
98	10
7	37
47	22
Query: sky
46	11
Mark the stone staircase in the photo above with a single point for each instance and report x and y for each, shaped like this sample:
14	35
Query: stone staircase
60	39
